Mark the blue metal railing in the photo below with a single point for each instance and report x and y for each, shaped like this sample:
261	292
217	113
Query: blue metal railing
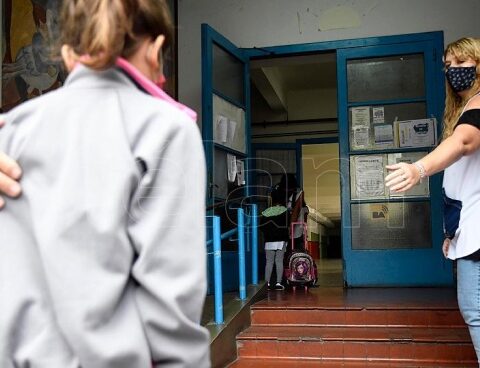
216	240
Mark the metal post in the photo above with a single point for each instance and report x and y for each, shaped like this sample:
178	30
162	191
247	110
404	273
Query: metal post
254	244
217	270
241	253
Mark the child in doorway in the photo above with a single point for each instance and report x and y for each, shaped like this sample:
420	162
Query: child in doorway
274	225
295	203
103	256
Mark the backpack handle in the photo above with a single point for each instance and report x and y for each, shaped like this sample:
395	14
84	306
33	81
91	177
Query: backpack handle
292	227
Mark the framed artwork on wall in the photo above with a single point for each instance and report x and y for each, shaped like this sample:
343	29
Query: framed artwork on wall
29	29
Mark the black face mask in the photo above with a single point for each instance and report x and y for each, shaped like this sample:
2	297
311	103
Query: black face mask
461	78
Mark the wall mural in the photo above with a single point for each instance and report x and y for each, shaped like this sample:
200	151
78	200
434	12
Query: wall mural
29	67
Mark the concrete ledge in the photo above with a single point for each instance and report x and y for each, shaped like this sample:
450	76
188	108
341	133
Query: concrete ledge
223	345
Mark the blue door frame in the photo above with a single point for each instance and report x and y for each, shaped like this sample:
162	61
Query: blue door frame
394	267
210	37
443	273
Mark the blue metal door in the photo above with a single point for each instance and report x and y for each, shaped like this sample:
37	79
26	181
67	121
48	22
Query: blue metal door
383	93
226	136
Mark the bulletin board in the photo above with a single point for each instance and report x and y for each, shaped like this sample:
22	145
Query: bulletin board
385	127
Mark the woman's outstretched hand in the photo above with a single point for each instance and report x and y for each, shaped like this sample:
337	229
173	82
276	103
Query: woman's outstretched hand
10	173
402	177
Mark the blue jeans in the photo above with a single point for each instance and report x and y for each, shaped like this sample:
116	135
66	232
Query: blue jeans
468	293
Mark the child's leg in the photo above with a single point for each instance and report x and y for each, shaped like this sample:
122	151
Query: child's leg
279	254
270	256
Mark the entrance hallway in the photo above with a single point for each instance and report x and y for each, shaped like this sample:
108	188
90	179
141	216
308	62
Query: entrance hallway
362	327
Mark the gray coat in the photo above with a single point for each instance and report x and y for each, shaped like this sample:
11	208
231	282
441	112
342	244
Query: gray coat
103	261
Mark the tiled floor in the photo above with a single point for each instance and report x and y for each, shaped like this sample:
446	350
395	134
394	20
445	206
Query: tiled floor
359	298
330	272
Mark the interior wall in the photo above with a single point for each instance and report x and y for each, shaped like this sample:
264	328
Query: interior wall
302	105
260	23
321	180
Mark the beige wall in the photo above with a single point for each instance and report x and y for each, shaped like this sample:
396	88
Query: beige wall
321	180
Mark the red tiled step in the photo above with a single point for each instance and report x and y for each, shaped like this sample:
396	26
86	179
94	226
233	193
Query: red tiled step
357	317
308	333
304	363
402	344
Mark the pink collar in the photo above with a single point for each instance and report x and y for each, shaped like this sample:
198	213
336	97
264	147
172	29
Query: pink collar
151	88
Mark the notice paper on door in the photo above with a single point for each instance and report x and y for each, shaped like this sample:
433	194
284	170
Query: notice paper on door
231	167
378	114
369	177
221	129
360	116
361	137
417	133
383	134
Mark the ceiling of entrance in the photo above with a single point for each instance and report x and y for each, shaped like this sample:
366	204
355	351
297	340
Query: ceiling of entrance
274	78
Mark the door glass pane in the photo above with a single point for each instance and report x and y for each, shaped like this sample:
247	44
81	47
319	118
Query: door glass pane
393	77
391	225
228	75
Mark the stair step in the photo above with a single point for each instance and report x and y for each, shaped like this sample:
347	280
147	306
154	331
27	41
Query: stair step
349	350
410	317
304	363
430	345
372	334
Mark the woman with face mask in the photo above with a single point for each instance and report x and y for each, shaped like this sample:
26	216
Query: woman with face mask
459	156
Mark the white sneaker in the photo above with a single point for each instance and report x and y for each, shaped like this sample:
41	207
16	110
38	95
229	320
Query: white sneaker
279	286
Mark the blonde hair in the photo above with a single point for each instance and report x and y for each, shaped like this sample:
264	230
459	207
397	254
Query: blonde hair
462	49
103	30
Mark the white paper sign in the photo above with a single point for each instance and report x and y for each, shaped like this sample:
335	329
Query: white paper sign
232	126
221	129
378	115
417	133
361	137
231	167
360	116
383	134
369	178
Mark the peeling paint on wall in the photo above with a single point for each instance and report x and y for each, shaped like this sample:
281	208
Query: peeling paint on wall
339	17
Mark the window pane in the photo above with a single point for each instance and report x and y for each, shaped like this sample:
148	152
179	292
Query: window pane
395	77
391	225
228	75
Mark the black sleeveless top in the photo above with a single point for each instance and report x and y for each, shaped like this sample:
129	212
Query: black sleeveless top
471	117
